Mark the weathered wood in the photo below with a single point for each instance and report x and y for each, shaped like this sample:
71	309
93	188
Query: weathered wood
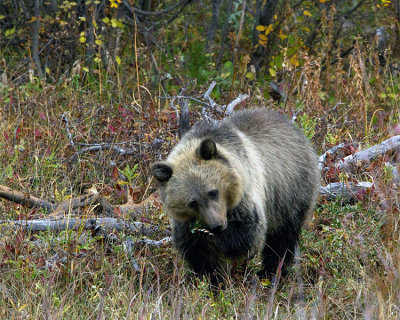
25	199
322	158
348	191
76	205
109	224
390	145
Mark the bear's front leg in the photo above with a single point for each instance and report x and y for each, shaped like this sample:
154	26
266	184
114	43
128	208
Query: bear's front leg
198	250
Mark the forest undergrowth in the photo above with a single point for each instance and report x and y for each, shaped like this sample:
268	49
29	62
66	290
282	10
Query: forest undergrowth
349	265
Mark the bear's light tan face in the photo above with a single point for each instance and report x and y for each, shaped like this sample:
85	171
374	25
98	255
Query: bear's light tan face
205	191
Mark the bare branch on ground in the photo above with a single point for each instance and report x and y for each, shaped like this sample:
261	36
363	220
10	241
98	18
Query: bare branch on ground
364	156
110	224
103	146
75	205
322	158
67	124
25	199
348	191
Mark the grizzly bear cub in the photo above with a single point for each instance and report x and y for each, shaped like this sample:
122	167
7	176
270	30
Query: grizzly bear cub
238	187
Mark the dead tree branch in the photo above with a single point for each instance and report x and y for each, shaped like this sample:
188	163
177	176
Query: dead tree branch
347	191
103	146
110	224
322	158
76	205
67	124
364	156
229	108
25	199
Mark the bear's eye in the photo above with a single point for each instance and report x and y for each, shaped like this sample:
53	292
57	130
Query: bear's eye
213	194
193	205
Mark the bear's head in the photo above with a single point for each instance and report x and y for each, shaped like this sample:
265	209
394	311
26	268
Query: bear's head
199	184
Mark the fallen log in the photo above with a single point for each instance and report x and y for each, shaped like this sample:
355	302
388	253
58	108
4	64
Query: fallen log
75	205
25	199
109	224
347	191
364	156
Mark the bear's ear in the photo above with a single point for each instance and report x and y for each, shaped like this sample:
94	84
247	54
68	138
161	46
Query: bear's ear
162	171
207	149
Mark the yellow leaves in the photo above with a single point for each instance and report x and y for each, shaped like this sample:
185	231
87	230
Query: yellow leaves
260	28
265	31
98	42
9	32
265	282
250	76
33	19
307	13
118	60
272	72
269	29
263	37
262	43
114	22
294	60
114	4
322	1
82	38
281	35
67	5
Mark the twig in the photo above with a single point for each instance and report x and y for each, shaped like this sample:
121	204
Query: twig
155	243
206	96
248	313
129	247
179	11
103	143
299	303
184	120
322	158
275	281
185	97
295	114
232	104
67	123
103	146
317	310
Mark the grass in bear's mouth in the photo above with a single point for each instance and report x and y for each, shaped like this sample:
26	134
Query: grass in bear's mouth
199	226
